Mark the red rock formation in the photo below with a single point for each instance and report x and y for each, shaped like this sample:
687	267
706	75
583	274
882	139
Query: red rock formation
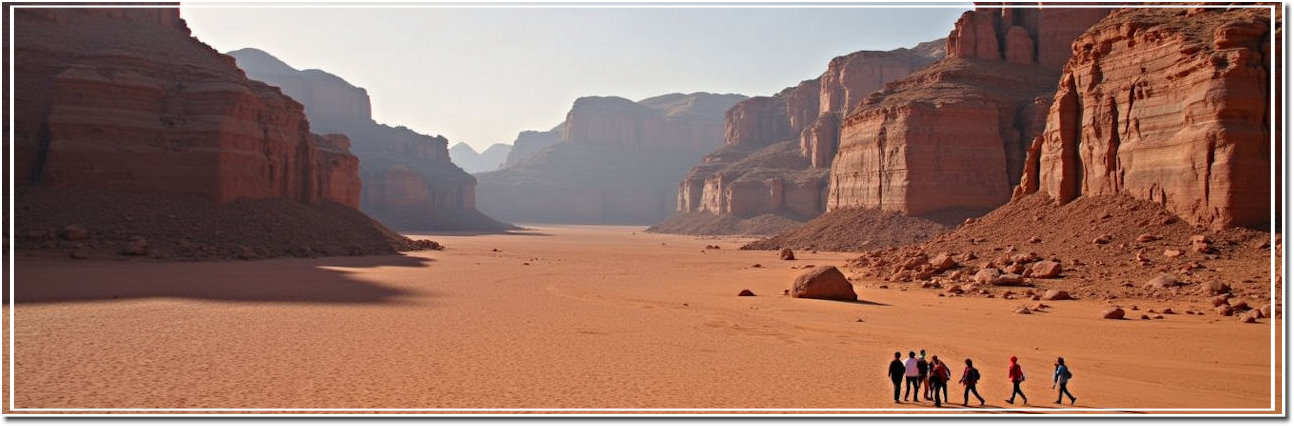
953	136
1166	105
126	100
616	162
440	195
778	148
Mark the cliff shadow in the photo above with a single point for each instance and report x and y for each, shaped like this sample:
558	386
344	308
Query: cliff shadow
327	280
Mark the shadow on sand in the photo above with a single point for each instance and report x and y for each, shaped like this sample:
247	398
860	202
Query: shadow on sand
270	281
518	232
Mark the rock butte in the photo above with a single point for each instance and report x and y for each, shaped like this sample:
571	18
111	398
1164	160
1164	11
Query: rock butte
1166	105
953	136
126	100
615	162
777	149
409	181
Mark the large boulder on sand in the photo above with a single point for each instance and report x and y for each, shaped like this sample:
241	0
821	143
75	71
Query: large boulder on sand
1045	269
987	275
1113	312
786	254
1056	295
823	282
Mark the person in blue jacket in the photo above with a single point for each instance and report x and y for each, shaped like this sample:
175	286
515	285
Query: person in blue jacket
1062	377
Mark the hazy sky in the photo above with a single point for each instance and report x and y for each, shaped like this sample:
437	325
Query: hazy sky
480	75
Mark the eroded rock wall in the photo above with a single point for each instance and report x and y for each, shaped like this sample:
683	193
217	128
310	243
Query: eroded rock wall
1167	105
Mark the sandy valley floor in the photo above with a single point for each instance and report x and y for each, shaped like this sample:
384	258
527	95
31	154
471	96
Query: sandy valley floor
575	317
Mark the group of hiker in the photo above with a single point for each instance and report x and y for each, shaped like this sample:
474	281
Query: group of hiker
930	378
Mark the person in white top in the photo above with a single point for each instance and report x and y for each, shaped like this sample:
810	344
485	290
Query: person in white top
913	376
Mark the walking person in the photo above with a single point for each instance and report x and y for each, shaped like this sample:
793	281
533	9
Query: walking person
948	375
897	370
923	370
938	379
1016	374
970	376
912	374
1062	377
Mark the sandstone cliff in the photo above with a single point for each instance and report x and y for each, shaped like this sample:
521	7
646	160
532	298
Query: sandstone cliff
126	101
1166	105
778	149
616	161
953	136
409	181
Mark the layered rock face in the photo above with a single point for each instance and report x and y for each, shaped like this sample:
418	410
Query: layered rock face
953	136
409	181
1165	105
615	163
778	148
126	100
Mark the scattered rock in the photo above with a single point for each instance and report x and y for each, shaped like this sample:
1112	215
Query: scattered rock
1145	238
1169	311
1040	306
1035	239
1266	310
74	233
1201	244
1022	310
1008	279
1163	281
1238	305
746	292
942	262
1056	295
1103	239
1114	312
1214	288
1172	253
1145	317
1224	310
786	254
757	266
1220	300
824	282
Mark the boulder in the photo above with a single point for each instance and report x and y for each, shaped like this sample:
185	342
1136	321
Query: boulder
1163	281
987	275
1113	312
1220	299
823	282
786	254
1056	295
1224	310
1214	288
1045	269
1022	310
746	293
942	262
1008	279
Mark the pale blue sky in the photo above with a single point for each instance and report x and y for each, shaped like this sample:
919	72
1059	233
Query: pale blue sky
480	75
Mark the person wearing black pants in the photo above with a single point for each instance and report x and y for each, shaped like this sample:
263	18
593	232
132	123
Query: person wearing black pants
1062	377
970	377
913	377
1016	374
896	374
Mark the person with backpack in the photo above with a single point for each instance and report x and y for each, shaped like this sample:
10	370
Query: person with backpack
1062	376
913	375
923	370
970	376
938	379
896	373
1016	374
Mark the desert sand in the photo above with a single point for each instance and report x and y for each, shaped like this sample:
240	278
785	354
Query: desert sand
579	317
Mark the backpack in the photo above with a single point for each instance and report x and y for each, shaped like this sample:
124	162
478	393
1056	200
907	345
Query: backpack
1068	374
974	375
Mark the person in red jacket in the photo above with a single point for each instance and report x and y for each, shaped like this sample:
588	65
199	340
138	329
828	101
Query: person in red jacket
938	378
970	376
1016	374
